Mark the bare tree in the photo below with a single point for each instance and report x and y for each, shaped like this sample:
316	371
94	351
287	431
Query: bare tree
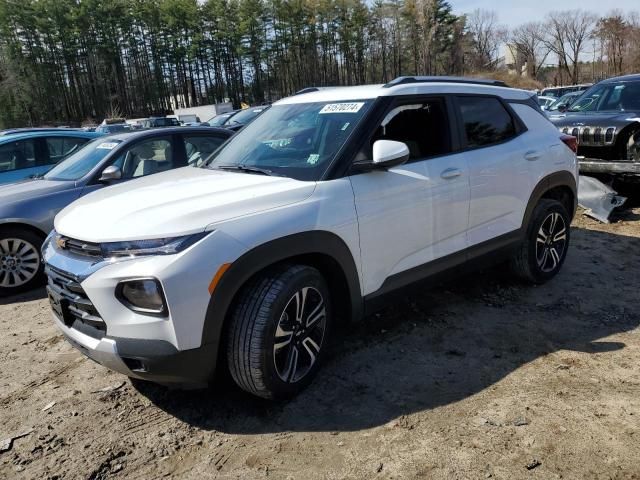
527	41
613	33
567	35
632	52
487	35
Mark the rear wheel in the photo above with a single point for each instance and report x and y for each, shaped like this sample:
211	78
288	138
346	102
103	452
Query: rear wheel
278	331
21	266
544	248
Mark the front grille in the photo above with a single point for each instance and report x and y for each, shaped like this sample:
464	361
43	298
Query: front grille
592	136
78	247
72	303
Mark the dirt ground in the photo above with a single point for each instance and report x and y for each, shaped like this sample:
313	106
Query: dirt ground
481	378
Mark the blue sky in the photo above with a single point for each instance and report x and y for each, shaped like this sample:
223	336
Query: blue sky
515	12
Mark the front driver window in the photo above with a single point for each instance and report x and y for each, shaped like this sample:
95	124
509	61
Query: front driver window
146	158
422	126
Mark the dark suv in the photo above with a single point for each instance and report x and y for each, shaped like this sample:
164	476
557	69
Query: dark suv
606	122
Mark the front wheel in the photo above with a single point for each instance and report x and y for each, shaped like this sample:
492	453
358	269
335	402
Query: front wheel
21	266
278	331
544	248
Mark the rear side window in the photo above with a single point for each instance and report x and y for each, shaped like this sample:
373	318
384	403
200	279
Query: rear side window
486	121
200	147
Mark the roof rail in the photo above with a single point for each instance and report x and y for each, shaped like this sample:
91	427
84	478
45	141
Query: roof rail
419	79
307	90
311	89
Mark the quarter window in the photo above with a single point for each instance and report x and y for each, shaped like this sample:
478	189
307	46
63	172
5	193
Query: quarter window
486	121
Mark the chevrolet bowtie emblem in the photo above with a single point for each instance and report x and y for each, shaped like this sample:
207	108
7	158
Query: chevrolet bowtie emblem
61	242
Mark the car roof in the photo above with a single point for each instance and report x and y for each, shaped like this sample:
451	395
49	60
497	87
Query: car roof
430	85
624	78
158	132
48	133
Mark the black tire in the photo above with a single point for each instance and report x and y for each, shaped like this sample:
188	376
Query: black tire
262	309
29	272
529	262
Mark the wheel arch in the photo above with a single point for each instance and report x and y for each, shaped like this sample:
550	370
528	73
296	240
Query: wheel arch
632	130
320	249
18	224
559	186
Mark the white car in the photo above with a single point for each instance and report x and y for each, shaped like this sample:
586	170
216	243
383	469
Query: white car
309	216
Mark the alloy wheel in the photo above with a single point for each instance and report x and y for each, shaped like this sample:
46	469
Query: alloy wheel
551	242
299	335
19	262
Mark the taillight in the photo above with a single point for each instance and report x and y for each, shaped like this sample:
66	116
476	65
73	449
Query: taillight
571	142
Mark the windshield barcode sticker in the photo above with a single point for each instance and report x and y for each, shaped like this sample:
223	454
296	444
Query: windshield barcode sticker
342	108
107	145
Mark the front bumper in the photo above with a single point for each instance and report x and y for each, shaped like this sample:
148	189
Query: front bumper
154	360
166	350
592	165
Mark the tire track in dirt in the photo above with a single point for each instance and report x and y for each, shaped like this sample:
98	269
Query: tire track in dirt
23	392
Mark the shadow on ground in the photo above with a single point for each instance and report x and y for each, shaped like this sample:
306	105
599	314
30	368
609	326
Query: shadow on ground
440	347
37	294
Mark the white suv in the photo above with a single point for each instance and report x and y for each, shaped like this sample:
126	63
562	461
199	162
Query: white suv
309	216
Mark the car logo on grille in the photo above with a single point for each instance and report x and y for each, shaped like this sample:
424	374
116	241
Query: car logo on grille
61	242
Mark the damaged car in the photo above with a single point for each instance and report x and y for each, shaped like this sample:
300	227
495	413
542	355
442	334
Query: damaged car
606	122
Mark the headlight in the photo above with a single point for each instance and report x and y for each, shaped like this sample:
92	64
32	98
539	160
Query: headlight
158	246
143	295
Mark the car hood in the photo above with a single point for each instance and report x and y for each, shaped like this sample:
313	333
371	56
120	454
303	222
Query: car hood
597	119
177	202
13	193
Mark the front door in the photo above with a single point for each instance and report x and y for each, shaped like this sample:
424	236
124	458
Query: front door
413	214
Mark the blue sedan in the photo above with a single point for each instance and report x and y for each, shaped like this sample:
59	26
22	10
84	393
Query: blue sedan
31	154
27	208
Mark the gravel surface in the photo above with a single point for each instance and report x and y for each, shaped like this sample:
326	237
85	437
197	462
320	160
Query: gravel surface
479	378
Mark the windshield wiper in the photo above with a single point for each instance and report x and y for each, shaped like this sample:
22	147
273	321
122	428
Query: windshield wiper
244	168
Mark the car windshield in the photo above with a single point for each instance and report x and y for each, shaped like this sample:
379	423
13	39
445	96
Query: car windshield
83	161
245	116
610	97
219	120
293	140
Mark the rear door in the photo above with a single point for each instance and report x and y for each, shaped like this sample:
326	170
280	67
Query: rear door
499	171
411	215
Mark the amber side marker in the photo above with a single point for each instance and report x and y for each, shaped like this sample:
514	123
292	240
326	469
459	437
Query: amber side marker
216	278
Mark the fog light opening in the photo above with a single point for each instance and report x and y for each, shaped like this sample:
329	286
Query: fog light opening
143	295
135	365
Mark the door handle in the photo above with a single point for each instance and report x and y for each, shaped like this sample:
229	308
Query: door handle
532	155
450	173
